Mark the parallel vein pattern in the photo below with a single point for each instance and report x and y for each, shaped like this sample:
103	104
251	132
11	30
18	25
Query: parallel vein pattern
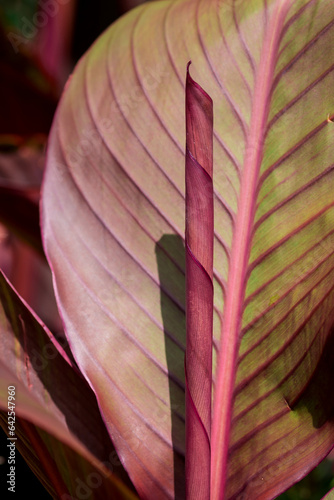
287	321
113	219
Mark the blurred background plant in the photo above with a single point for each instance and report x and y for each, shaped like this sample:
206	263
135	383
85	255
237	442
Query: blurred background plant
40	42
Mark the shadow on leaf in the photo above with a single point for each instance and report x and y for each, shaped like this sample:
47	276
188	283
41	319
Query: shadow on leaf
171	266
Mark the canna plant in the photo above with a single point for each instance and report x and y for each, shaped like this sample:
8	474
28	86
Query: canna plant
199	288
112	217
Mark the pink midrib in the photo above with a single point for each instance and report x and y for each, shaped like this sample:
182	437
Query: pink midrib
229	346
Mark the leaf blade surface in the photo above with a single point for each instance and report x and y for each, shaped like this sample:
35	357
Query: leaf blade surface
64	431
121	178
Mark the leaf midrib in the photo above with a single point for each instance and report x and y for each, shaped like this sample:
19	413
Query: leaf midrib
241	244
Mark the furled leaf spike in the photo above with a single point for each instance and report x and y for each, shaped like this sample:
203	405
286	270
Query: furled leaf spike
199	288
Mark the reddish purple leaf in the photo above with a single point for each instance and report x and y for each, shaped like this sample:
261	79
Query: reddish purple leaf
64	427
52	44
114	187
199	288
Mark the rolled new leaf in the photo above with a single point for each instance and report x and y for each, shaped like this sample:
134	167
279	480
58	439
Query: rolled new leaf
199	288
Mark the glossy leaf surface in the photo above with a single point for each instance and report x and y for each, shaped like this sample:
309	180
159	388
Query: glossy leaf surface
113	219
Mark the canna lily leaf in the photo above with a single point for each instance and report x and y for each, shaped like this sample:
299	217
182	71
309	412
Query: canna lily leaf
199	288
113	219
64	430
52	41
21	172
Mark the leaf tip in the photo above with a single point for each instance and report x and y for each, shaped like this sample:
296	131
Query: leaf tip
190	81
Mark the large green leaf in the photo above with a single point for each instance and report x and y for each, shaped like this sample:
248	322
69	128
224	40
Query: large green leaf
113	220
69	450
